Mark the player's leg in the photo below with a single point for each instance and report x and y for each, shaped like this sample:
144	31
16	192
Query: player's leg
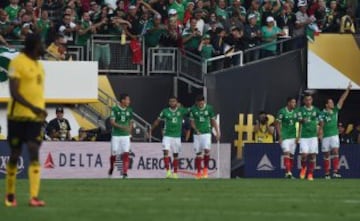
325	148
313	150
166	149
125	149
115	146
176	144
285	145
15	134
34	140
304	148
198	158
335	144
206	144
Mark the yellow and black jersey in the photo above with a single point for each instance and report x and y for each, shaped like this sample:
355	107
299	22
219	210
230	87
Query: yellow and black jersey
31	76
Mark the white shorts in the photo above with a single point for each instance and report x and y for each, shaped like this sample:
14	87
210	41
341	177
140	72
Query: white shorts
289	145
120	144
202	142
309	145
172	143
329	143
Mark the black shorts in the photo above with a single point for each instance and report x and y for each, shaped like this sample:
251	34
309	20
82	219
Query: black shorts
24	131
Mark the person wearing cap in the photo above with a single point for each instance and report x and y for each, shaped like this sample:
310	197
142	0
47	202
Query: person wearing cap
205	49
255	9
189	12
162	7
191	37
269	34
179	7
234	20
59	127
302	20
200	24
154	30
236	41
252	34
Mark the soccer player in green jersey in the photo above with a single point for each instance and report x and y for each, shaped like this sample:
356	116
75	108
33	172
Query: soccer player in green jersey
202	119
122	124
173	118
310	130
286	129
331	142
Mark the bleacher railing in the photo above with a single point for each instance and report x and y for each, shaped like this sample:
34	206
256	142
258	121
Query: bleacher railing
162	60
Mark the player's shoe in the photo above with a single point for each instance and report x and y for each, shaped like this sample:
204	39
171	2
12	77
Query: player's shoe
124	176
168	174
35	202
198	176
336	175
175	176
327	177
289	175
303	173
310	177
205	173
10	201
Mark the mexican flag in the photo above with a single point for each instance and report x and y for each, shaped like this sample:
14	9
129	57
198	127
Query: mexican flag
6	54
312	30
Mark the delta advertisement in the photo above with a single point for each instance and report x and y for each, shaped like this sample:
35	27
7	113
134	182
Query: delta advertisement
77	160
266	161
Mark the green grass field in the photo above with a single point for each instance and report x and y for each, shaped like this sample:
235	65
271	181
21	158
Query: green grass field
195	200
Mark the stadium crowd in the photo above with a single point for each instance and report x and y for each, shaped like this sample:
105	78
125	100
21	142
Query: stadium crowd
204	27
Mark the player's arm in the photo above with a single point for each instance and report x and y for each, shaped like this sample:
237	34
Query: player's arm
14	84
278	129
114	124
193	126
344	96
215	125
320	127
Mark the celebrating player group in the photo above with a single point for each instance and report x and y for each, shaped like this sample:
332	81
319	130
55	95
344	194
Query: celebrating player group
202	119
314	125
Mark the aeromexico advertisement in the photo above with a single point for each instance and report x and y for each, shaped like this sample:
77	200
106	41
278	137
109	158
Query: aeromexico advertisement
73	160
265	161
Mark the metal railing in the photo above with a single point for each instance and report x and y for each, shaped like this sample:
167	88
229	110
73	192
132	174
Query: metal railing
162	60
223	62
113	57
190	66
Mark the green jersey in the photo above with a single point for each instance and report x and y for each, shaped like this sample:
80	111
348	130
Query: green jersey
202	118
330	122
123	117
288	121
310	117
173	121
44	26
82	39
12	12
180	10
194	42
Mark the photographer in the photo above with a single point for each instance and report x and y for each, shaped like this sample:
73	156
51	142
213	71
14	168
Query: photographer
263	129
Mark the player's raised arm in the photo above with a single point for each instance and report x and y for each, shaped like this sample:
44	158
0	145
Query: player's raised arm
344	96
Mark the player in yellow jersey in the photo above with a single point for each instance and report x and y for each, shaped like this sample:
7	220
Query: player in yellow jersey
26	113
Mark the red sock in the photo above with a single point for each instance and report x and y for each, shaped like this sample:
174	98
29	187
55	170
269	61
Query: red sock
287	164
198	164
303	163
175	165
112	161
327	165
125	160
167	162
206	161
335	162
291	163
311	166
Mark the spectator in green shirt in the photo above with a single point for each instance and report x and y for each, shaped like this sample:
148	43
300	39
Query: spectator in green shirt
269	35
206	50
43	25
154	30
5	26
179	7
192	37
13	9
85	29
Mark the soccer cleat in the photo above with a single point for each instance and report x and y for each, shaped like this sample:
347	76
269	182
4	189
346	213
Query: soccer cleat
175	176
336	175
198	176
310	177
327	177
168	174
289	175
124	176
10	201
303	173
35	202
205	173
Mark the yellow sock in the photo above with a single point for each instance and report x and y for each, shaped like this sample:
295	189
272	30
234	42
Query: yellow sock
34	178
10	178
